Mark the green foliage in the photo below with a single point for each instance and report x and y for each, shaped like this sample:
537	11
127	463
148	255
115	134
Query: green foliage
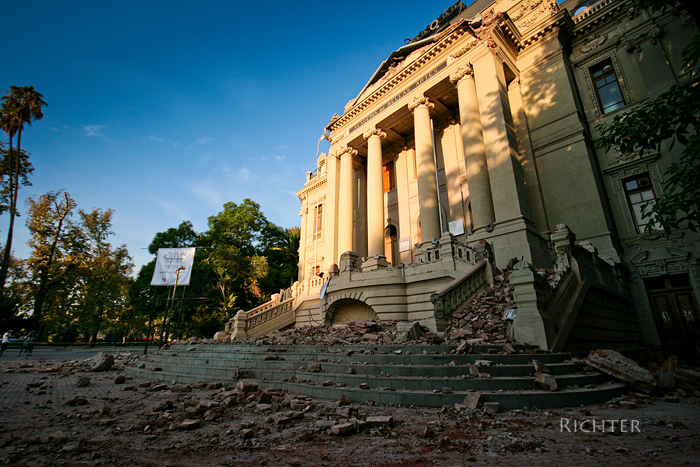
243	258
673	117
20	105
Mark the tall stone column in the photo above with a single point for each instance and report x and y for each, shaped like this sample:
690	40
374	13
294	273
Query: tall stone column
346	223
302	250
425	165
375	193
474	149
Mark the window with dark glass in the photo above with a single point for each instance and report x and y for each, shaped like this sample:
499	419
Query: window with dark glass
319	220
639	192
388	177
607	87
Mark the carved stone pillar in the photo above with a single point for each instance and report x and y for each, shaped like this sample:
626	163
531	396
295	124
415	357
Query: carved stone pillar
375	193
425	165
474	149
346	206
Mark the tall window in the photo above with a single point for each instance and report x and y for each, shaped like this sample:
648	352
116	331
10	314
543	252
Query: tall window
607	87
388	177
319	220
639	192
390	242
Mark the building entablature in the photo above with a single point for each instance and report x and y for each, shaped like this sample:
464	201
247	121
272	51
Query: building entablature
313	186
456	47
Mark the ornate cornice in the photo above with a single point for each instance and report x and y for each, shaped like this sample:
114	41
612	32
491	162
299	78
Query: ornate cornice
410	70
316	184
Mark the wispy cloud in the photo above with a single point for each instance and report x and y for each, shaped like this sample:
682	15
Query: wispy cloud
282	147
93	130
207	192
157	138
244	174
205	140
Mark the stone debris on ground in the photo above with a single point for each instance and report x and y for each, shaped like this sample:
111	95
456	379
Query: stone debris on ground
59	423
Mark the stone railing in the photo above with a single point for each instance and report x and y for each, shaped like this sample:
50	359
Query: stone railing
462	289
448	247
593	9
546	312
260	317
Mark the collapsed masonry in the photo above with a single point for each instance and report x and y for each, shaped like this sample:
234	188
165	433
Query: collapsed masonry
582	303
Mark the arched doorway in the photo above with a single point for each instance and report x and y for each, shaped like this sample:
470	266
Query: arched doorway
346	310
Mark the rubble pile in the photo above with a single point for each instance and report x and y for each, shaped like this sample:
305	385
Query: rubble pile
102	361
485	318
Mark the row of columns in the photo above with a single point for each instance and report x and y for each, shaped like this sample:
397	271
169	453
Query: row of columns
475	160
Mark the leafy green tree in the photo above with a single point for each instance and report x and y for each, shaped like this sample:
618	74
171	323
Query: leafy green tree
673	117
281	248
103	274
55	244
237	225
20	105
6	180
184	236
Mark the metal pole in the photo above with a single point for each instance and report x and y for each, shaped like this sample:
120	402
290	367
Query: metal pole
165	319
179	315
150	320
172	303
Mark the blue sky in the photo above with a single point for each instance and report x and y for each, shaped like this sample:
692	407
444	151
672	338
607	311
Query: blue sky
164	110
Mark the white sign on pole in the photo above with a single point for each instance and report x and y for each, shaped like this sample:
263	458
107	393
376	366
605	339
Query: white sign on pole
173	264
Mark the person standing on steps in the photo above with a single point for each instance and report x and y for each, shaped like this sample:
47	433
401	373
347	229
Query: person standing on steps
5	341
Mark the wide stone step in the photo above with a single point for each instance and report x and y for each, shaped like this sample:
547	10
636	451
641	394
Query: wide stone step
420	375
424	398
425	380
449	370
199	356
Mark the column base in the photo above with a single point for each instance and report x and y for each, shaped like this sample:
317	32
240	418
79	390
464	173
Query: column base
375	262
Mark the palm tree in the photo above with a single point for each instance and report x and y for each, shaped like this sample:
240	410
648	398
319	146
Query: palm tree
20	105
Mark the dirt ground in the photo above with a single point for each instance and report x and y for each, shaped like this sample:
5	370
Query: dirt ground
58	413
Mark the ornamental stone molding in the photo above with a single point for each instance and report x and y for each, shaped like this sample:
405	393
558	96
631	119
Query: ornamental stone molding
593	42
461	72
635	44
466	48
374	132
418	101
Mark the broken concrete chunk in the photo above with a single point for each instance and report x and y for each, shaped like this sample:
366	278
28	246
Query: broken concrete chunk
408	331
247	385
541	367
546	381
474	400
102	362
617	365
343	429
380	421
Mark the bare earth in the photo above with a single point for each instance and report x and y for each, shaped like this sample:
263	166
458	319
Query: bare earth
58	413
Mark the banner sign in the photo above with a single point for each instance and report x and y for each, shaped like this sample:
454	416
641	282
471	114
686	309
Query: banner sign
173	264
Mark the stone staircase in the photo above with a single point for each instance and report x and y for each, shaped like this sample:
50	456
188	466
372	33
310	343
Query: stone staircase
408	375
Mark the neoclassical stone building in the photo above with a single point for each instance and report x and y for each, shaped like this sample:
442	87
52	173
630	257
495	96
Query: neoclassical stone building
474	146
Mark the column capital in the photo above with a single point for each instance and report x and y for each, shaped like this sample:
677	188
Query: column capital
374	132
420	101
462	72
343	150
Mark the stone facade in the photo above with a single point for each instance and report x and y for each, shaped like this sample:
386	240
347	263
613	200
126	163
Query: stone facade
482	129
